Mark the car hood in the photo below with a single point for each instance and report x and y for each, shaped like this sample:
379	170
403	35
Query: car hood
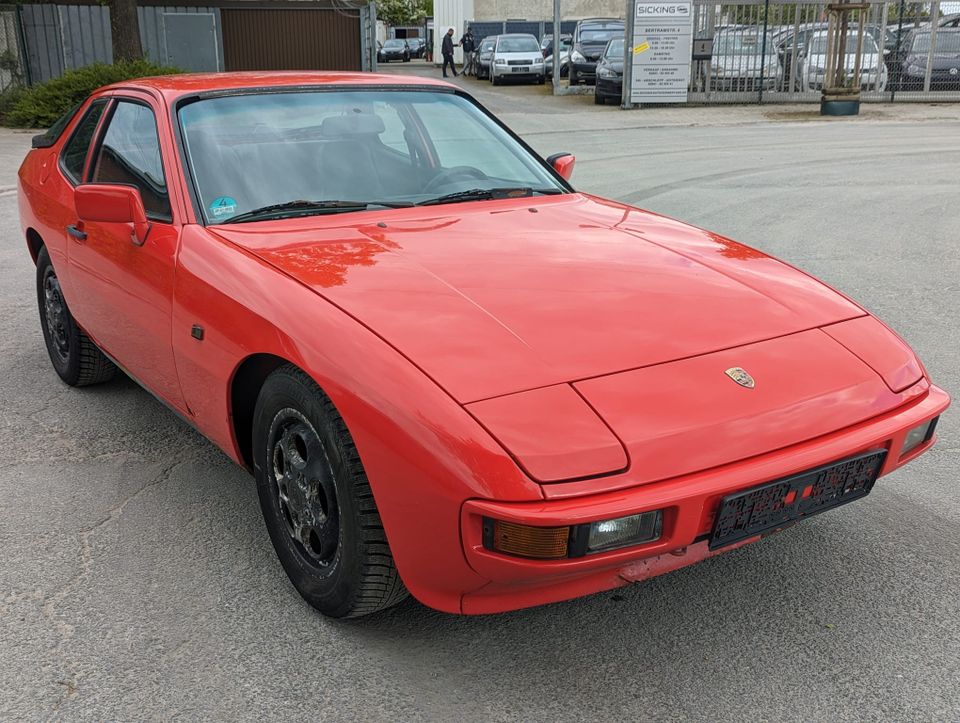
747	63
944	61
530	57
495	297
868	63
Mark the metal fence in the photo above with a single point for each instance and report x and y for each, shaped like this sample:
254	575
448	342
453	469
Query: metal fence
775	51
12	66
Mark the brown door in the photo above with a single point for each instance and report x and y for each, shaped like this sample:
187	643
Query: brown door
290	39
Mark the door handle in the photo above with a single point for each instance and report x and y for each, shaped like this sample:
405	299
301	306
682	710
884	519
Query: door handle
77	233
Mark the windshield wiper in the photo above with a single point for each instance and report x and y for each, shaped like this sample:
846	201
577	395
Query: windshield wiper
484	194
301	207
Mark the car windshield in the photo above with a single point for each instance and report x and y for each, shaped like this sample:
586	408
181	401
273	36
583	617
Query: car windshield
818	44
393	44
599	35
948	42
518	45
615	49
487	45
742	44
377	147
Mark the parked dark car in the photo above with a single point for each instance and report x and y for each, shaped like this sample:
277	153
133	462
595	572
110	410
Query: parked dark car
418	47
485	56
610	73
394	49
944	65
590	38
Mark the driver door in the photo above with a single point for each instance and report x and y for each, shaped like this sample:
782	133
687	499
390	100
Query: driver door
124	291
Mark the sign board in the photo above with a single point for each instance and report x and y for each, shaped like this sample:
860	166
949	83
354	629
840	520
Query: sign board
660	51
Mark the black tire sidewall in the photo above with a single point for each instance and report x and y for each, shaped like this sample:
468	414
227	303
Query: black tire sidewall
68	369
332	592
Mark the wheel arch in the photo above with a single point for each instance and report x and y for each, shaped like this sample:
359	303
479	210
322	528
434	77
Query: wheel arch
34	244
245	385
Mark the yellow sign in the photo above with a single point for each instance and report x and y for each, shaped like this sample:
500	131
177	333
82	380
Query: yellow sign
642	48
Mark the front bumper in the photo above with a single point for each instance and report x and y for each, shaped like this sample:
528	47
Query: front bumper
743	84
689	504
610	87
587	70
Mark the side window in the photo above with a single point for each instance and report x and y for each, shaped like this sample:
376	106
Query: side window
75	152
130	154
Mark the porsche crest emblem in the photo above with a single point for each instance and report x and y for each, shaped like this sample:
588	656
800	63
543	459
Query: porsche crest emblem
741	377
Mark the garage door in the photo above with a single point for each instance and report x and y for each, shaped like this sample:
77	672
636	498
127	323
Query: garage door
290	39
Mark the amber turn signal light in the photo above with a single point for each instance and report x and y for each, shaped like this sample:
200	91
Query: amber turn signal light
541	543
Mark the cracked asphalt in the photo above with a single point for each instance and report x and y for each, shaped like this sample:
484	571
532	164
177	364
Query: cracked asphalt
137	580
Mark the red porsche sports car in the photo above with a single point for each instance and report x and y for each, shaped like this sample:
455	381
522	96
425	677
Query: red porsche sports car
450	373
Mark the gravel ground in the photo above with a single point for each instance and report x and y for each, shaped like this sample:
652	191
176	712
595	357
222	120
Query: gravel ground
137	580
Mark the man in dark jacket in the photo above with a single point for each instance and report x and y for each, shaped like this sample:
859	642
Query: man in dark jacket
446	49
469	45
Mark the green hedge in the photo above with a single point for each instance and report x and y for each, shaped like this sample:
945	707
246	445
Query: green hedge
41	105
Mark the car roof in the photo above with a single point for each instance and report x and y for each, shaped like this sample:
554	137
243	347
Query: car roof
172	86
600	21
516	35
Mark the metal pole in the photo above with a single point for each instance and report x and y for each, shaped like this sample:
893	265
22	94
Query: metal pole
934	16
628	39
763	48
896	57
556	47
22	38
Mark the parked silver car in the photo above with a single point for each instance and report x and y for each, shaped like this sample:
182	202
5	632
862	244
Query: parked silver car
873	71
485	56
517	56
740	57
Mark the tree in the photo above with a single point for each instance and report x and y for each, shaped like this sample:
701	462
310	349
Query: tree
403	12
125	29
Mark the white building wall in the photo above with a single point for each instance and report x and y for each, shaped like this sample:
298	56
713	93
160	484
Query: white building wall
450	14
543	9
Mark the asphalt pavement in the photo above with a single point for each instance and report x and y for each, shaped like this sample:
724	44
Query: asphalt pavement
137	580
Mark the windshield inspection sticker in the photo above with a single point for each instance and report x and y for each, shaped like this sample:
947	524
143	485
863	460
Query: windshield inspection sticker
223	207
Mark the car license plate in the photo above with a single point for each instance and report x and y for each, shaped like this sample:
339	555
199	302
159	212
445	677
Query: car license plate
521	69
782	502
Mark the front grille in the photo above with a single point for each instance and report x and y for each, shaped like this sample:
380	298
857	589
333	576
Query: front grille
519	62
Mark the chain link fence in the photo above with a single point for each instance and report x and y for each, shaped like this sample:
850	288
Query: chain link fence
12	67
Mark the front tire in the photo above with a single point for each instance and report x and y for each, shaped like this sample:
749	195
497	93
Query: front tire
317	503
74	356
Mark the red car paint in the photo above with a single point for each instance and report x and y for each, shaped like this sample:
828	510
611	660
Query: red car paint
543	360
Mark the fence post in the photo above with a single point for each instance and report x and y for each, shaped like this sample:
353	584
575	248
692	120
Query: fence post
22	42
896	51
763	48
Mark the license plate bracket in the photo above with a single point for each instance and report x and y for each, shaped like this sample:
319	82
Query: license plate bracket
779	503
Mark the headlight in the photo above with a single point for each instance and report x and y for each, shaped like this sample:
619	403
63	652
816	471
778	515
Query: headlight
578	57
557	543
918	435
498	61
606	73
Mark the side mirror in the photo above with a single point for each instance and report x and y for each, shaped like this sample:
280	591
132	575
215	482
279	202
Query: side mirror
109	203
563	164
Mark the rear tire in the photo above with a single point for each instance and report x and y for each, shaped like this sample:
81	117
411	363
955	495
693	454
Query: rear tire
74	356
317	503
